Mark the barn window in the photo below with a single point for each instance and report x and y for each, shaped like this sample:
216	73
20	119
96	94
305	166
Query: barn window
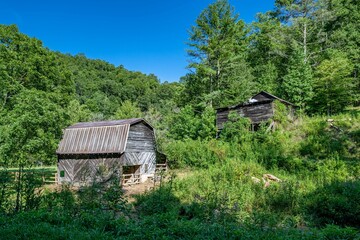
62	173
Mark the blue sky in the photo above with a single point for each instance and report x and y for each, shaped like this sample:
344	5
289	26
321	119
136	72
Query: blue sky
142	35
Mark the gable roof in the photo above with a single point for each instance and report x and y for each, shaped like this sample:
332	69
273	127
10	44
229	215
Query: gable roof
97	137
269	96
130	121
259	98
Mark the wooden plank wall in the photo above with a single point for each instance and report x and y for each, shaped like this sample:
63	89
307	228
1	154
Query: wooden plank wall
140	148
140	139
140	158
86	170
256	112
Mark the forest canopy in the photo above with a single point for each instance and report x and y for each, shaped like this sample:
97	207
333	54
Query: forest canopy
306	52
297	180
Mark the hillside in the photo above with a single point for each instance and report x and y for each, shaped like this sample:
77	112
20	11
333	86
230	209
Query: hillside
299	180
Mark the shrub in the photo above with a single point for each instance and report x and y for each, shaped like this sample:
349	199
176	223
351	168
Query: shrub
194	153
336	203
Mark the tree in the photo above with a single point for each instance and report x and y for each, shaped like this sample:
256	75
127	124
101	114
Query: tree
30	132
77	112
333	84
343	35
297	83
299	14
217	50
188	124
127	110
268	51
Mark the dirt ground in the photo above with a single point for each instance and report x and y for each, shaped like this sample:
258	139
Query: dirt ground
131	190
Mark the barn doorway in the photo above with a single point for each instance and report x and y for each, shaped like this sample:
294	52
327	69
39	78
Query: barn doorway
131	175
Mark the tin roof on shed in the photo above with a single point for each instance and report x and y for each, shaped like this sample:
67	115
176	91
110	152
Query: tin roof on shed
130	121
97	137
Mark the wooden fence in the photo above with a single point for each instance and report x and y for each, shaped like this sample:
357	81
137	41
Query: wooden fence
47	175
161	167
130	179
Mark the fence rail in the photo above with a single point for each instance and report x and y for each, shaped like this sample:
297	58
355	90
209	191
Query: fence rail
48	176
161	167
130	179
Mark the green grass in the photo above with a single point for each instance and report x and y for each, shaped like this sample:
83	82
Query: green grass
215	197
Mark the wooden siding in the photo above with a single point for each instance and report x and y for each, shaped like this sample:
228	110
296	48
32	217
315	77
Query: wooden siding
140	148
259	113
140	139
87	170
256	112
134	144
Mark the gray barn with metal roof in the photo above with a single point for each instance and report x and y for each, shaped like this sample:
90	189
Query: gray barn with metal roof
125	147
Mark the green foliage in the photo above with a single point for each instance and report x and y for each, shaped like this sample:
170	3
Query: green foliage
298	81
158	202
189	125
193	153
305	51
31	129
217	50
236	129
127	109
336	232
77	112
334	88
336	203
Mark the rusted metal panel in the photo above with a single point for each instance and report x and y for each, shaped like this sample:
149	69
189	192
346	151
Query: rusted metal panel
94	140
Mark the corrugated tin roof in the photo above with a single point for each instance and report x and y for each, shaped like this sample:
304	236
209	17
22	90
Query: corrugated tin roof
130	121
94	139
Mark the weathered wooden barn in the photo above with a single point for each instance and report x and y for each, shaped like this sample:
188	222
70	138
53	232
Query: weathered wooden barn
258	108
122	147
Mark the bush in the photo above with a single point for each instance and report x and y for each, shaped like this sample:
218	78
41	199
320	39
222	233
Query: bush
333	232
159	201
336	203
194	153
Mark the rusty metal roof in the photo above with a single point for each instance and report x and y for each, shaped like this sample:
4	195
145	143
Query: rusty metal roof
94	140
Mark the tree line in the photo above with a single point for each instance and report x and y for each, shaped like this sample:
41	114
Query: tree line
304	51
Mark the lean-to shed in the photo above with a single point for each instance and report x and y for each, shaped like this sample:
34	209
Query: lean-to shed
258	108
114	147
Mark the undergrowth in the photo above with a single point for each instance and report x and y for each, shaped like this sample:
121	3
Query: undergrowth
228	194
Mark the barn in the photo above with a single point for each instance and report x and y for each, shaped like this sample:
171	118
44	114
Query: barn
258	108
123	147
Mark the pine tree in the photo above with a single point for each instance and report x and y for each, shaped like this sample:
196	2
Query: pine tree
217	50
297	83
